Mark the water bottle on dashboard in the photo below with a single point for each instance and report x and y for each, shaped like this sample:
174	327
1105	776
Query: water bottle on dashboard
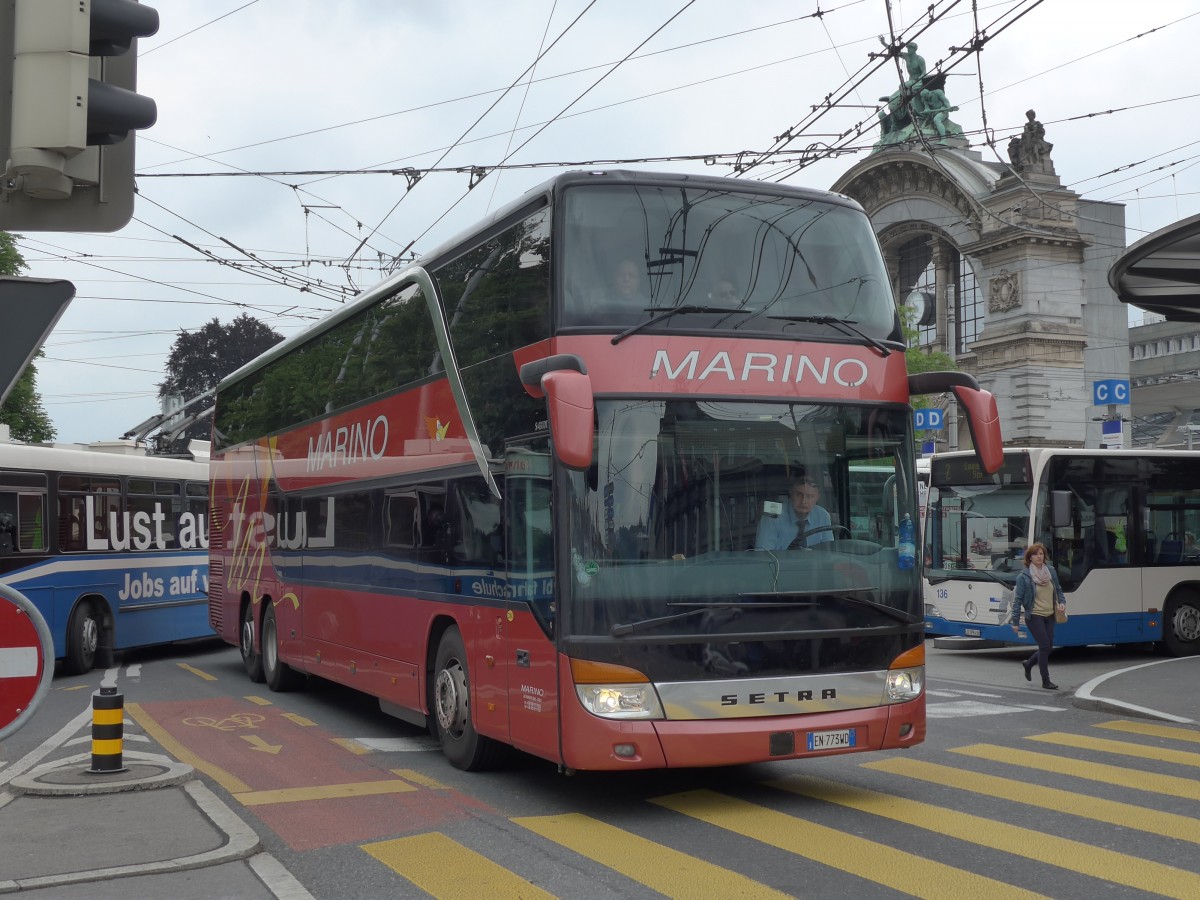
906	550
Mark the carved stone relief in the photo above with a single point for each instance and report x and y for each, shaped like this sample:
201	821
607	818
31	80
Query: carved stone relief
1004	291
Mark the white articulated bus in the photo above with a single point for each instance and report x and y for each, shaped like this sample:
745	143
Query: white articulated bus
1119	526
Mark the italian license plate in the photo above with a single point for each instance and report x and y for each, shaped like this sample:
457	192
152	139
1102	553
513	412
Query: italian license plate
972	632
832	740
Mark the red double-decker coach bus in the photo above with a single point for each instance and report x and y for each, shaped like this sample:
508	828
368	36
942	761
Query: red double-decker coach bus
584	482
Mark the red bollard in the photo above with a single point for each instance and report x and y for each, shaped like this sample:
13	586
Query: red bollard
108	729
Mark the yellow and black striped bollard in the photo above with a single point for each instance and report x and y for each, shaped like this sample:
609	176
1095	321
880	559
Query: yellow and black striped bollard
108	728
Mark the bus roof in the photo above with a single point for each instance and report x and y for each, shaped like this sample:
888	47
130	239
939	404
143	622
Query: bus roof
539	195
82	458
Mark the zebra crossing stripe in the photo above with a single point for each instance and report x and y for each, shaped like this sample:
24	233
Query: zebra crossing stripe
1121	748
652	864
1149	729
1075	856
1171	785
1098	809
897	869
442	867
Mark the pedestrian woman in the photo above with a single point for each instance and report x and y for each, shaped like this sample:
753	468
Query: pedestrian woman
1038	595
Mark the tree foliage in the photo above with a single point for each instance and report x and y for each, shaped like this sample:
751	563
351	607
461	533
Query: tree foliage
22	412
200	359
922	359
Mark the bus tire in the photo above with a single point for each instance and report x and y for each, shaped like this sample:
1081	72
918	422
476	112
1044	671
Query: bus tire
1181	624
450	703
279	675
83	639
251	658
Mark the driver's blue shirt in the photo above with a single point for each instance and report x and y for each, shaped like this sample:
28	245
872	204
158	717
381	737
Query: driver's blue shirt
777	532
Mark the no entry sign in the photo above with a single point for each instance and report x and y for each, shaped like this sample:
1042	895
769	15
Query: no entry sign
26	659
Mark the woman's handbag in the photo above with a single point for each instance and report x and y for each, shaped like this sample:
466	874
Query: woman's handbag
1060	613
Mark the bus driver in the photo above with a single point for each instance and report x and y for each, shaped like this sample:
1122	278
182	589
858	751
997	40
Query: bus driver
794	527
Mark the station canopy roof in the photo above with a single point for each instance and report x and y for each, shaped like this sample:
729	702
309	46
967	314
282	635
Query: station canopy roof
1161	272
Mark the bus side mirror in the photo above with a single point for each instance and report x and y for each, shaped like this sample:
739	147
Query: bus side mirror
983	421
1060	509
572	417
564	382
979	406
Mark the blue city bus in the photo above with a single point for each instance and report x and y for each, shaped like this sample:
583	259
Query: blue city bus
109	543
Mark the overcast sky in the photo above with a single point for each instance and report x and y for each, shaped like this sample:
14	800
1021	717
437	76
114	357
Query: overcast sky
296	86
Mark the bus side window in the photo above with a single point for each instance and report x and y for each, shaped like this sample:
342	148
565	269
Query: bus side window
478	521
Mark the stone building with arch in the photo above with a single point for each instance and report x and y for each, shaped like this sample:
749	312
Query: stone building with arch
1005	269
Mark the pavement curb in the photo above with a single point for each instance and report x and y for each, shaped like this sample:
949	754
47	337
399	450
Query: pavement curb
69	777
241	843
1085	697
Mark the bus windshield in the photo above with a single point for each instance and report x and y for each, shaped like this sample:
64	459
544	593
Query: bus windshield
977	525
687	517
976	531
751	262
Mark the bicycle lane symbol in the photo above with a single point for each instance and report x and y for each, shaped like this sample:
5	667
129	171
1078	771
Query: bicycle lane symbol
248	747
229	723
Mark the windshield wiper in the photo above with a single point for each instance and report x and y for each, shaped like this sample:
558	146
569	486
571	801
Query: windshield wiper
846	595
760	601
673	311
988	572
845	326
643	624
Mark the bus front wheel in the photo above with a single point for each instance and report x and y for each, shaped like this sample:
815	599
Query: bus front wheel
1181	625
279	675
463	746
251	658
83	638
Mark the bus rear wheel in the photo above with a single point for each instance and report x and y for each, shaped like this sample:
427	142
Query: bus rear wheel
251	658
463	746
83	638
279	675
1181	625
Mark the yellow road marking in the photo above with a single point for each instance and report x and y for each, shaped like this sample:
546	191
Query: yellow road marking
260	701
1151	730
880	863
352	745
424	780
257	742
445	868
1152	821
1171	785
1075	856
652	864
225	779
1122	748
323	792
299	719
196	672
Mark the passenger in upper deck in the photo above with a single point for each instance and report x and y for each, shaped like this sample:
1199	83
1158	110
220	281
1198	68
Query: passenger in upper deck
724	293
628	288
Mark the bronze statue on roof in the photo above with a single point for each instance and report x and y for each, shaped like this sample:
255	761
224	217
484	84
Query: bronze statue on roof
919	110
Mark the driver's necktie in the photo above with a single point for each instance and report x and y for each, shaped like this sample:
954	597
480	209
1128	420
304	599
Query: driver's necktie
800	540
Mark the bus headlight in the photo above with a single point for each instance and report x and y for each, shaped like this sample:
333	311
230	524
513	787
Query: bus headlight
904	684
931	610
615	692
620	701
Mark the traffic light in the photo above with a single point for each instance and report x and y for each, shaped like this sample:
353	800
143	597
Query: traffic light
68	77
